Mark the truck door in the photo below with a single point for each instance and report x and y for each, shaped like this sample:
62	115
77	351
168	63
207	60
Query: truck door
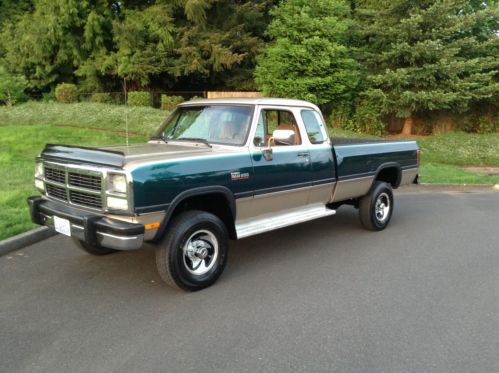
323	171
281	172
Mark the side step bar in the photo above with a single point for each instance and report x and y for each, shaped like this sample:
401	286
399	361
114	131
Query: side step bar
268	222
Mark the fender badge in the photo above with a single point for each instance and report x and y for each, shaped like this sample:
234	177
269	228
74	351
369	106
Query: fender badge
235	176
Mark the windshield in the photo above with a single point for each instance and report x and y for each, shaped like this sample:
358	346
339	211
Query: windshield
217	124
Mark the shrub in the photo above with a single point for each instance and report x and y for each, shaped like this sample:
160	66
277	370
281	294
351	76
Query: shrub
11	87
49	96
137	98
478	123
368	114
66	93
486	125
170	102
104	98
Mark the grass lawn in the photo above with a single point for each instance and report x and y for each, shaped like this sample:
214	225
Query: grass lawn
84	114
443	155
19	145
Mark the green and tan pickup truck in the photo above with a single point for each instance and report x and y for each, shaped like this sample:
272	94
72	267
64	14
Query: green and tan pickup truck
216	170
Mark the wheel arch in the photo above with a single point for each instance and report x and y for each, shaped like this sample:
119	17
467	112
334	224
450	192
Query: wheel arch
390	173
217	200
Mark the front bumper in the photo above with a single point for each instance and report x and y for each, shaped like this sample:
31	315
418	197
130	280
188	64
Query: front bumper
92	228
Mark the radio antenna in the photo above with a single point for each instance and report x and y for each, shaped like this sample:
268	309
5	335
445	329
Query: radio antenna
126	111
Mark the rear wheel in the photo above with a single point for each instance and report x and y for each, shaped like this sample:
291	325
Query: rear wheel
376	208
193	253
93	249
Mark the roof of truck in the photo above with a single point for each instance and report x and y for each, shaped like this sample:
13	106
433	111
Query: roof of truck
252	101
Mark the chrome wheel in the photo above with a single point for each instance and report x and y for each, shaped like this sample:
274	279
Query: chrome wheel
382	207
200	252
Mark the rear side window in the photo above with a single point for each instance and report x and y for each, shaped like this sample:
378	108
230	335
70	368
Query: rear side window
313	125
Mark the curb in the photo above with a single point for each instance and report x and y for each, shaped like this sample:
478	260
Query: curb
25	239
465	188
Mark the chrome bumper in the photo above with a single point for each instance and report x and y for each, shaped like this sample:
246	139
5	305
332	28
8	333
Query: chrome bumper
88	227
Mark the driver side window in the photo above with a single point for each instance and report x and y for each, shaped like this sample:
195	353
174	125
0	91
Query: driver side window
270	120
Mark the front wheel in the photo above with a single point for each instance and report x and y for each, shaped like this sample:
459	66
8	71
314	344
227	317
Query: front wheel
193	253
376	207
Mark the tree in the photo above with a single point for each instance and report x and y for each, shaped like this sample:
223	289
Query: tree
428	55
11	87
50	43
218	43
162	43
143	42
310	57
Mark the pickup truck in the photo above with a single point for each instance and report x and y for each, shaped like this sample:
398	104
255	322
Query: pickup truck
216	170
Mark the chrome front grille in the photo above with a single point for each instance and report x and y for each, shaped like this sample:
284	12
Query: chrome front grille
85	181
58	176
80	187
85	199
57	192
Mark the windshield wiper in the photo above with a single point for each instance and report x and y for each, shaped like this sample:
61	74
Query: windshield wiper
157	138
194	139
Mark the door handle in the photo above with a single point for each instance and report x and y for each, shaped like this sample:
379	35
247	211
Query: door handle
305	154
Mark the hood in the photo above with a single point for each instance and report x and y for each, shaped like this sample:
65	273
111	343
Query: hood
119	156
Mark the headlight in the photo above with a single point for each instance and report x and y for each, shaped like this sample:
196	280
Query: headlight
117	183
115	203
38	169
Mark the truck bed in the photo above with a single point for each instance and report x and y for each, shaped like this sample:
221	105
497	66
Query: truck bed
358	161
341	141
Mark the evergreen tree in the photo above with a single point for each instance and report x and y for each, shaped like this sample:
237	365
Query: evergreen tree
426	55
50	43
310	57
96	43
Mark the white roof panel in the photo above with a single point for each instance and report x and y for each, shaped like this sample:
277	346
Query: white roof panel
252	101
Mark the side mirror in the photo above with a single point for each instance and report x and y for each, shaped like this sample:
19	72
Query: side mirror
284	137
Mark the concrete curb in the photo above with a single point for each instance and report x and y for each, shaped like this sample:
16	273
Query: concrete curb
465	188
24	239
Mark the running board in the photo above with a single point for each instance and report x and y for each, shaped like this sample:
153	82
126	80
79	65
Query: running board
270	222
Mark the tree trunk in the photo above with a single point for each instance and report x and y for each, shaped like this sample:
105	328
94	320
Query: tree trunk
407	129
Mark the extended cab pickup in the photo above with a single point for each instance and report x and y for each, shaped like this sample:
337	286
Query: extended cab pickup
216	170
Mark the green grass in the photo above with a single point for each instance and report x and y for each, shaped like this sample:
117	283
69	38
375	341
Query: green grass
84	114
439	173
19	145
461	149
442	157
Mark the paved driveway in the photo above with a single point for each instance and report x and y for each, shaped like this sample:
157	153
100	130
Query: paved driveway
421	296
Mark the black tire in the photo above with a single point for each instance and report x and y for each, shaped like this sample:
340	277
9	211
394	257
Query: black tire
93	249
376	207
193	253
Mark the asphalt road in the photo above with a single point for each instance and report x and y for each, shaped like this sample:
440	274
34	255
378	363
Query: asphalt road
325	296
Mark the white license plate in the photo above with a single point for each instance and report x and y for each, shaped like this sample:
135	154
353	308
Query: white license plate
63	226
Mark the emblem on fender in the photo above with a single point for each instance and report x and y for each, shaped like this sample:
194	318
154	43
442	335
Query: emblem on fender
239	176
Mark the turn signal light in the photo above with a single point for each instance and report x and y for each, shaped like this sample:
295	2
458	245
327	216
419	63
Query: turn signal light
151	226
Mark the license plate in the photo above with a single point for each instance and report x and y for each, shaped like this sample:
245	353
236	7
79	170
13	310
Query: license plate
63	226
